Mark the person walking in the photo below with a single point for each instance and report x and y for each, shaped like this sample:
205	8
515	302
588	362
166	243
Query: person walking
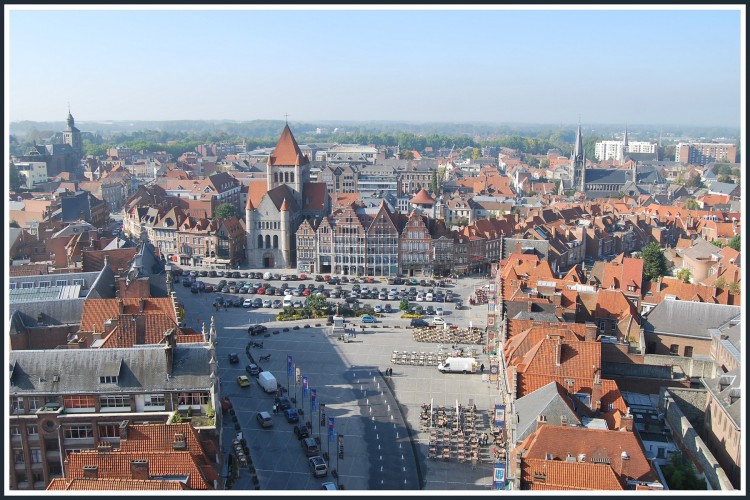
481	368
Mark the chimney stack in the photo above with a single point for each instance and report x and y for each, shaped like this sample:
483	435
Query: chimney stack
91	472
169	353
558	351
139	469
596	394
124	430
121	305
141	304
590	335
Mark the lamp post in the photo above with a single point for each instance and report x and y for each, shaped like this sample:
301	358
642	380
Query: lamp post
321	419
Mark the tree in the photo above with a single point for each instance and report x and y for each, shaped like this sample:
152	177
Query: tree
316	303
14	178
725	178
14	224
434	182
684	275
407	155
680	475
721	282
735	243
717	243
692	204
544	163
225	211
654	262
403	306
734	287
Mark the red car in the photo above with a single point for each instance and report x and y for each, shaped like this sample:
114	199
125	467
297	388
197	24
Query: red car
261	291
327	278
208	288
302	277
306	292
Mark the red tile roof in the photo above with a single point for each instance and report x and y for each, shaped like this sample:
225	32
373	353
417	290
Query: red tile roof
541	474
287	151
107	484
422	198
255	191
97	311
559	442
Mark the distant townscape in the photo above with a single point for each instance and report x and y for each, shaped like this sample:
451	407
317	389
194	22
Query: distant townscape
602	286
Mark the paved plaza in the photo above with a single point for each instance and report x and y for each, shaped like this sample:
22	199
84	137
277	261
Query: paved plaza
385	446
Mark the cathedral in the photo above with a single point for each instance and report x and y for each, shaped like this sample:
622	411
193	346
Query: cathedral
278	205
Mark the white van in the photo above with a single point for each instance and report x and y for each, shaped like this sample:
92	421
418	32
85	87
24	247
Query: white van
268	382
287	301
458	365
267	276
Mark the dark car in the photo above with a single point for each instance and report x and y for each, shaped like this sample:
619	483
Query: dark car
291	415
252	369
194	288
212	274
203	273
301	431
234	357
257	302
418	322
186	282
208	288
283	403
257	329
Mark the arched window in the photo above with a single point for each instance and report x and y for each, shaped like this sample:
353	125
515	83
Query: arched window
268	241
276	241
276	177
291	176
260	241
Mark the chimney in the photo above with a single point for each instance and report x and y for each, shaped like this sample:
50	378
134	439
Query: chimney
120	305
596	394
104	446
626	421
558	351
139	469
590	335
169	353
91	472
140	329
141	304
124	430
179	443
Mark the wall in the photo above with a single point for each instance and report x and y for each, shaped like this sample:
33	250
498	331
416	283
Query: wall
692	367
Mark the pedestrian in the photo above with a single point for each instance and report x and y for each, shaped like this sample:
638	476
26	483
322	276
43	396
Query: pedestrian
481	368
274	409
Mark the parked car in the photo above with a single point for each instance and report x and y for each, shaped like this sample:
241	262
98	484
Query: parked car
418	323
247	302
302	432
283	403
252	369
378	308
208	288
264	419
243	381
328	485
257	302
369	319
310	446
318	466
388	308
291	416
438	320
276	304
234	357
267	303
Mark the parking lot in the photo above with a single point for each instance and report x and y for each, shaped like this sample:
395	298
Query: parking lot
378	416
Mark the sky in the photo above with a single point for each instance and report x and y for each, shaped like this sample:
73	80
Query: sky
676	66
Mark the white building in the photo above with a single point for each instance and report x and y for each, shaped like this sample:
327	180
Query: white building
33	172
612	150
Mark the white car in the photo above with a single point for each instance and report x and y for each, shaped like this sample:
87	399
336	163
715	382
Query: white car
428	297
247	303
438	320
378	308
438	311
420	297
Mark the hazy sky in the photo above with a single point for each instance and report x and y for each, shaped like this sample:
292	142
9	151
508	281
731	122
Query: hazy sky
671	66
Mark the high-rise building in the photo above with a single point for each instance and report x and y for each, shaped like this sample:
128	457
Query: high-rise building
617	150
702	153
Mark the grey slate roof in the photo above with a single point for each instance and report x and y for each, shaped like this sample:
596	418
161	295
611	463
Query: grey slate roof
606	176
722	187
56	312
545	401
692	319
537	316
727	389
13	234
144	369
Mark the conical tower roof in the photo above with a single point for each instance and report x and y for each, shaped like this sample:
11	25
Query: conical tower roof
422	198
287	152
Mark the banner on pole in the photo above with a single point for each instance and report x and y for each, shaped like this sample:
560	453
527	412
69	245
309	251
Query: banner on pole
313	400
288	366
331	436
499	417
298	375
304	387
498	477
341	446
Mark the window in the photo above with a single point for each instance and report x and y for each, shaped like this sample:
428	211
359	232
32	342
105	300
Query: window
12	286
674	349
32	429
108	379
16	404
82	431
61	283
193	398
38	477
114	401
688	352
109	430
27	284
15	430
78	282
45	284
36	456
154	400
18	457
72	402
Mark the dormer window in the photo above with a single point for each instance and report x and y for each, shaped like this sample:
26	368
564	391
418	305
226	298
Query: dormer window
108	379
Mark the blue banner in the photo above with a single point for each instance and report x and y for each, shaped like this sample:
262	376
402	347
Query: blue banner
289	366
331	436
498	478
499	416
313	402
304	387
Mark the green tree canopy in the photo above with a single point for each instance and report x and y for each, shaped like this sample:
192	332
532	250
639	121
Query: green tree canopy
692	204
225	211
735	243
316	303
684	275
680	475
654	262
14	177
